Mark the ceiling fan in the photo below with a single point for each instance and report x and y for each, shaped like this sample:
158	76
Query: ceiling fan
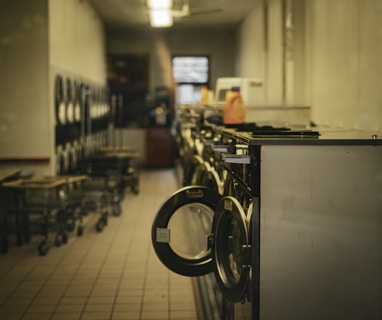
185	10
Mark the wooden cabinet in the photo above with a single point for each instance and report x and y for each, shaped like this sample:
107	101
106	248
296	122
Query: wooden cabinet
160	148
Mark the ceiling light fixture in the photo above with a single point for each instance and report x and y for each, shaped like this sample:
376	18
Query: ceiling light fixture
160	13
159	4
160	18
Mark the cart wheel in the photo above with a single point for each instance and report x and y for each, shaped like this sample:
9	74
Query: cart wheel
4	245
64	237
117	199
27	238
59	240
100	225
70	225
20	240
43	248
80	230
104	217
117	210
135	187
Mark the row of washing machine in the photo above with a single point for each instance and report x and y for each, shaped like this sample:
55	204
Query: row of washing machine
71	155
281	216
82	115
80	103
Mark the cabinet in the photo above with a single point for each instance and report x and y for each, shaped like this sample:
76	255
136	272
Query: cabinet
160	148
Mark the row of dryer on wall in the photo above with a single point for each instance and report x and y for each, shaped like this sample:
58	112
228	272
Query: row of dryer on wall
82	115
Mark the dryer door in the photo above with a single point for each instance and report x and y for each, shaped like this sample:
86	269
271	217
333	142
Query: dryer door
231	249
181	228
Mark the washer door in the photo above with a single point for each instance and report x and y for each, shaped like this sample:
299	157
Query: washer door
69	101
59	101
231	249
199	171
181	230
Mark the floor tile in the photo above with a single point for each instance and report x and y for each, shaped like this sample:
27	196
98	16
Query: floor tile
108	275
37	316
66	316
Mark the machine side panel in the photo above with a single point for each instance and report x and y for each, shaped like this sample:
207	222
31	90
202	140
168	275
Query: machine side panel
321	232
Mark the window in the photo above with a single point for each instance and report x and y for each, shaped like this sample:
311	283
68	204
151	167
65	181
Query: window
190	69
190	74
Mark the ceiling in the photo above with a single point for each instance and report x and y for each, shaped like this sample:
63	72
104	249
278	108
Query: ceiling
132	14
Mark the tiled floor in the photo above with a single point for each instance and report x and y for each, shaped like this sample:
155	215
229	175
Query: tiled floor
114	274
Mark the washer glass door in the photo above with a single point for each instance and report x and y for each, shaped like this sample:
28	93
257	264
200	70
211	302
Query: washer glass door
231	249
181	230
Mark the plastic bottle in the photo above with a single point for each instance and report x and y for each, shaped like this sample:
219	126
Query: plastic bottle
204	95
234	110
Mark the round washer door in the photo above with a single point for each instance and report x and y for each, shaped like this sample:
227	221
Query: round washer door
181	229
231	249
59	101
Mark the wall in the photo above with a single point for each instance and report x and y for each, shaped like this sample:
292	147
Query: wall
37	39
251	47
163	44
335	67
274	53
345	50
259	49
77	39
24	117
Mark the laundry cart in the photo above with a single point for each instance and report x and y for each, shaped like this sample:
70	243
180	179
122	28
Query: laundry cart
75	191
39	209
110	172
6	175
125	161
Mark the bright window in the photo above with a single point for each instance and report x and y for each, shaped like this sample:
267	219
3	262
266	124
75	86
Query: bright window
190	69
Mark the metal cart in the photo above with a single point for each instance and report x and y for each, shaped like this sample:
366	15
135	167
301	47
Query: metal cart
40	209
6	175
74	202
111	171
124	160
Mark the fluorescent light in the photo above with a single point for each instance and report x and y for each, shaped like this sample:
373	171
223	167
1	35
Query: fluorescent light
159	4
160	18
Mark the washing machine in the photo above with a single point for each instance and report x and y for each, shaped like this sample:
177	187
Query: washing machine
196	142
72	157
197	231
201	220
297	233
59	100
61	160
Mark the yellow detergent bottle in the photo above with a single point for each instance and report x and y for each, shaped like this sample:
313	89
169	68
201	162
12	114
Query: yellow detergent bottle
204	95
234	110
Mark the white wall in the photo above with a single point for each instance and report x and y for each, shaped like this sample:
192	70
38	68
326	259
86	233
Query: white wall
345	41
37	39
259	49
77	40
274	54
249	44
24	118
336	65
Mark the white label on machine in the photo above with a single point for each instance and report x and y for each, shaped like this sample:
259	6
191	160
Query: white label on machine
163	235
